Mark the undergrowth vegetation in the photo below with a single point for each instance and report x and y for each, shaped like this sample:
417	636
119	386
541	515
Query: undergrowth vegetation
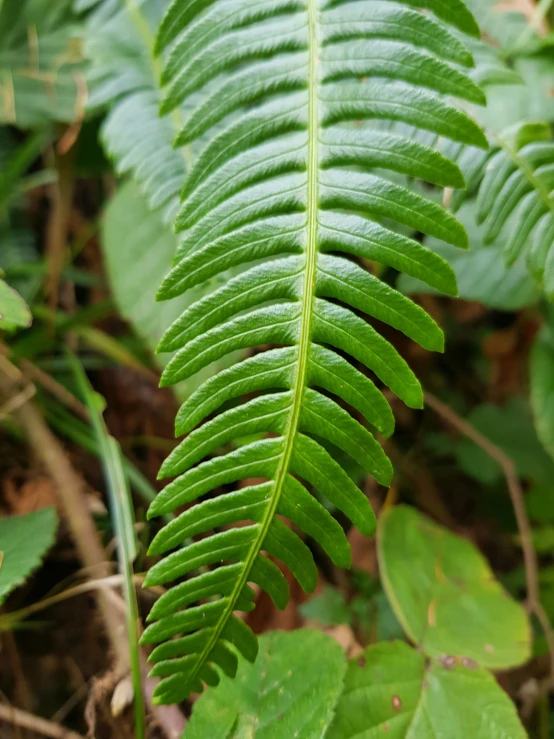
306	221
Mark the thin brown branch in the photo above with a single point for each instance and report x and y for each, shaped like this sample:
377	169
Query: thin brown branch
39	725
55	388
9	619
58	225
534	604
69	488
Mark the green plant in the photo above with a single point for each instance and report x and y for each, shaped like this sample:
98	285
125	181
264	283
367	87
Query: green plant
24	541
515	186
457	615
41	63
284	177
119	36
14	311
124	525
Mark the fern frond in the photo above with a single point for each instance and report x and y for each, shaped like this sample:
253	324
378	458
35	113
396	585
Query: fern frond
122	75
515	198
292	192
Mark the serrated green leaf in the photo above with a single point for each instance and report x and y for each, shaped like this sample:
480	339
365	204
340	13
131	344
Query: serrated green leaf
290	691
445	595
391	691
24	540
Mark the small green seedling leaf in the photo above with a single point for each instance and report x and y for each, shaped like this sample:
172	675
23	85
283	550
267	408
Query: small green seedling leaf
290	691
391	691
24	540
327	608
14	311
445	594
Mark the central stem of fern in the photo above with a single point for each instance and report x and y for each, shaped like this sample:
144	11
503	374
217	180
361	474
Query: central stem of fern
304	340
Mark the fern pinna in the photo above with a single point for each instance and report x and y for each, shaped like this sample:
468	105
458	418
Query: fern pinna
515	183
292	186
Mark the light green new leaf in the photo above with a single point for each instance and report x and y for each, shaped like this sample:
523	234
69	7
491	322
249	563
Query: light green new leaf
445	594
290	190
290	691
14	311
542	388
391	692
24	540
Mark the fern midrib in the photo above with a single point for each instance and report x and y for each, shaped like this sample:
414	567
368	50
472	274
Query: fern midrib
303	343
543	192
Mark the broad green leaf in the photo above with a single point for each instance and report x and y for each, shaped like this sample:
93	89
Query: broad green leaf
391	691
481	272
291	193
540	502
138	248
511	427
542	388
522	102
24	540
290	691
14	311
445	595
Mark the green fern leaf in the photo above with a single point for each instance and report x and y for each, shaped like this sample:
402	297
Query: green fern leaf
121	74
515	200
292	191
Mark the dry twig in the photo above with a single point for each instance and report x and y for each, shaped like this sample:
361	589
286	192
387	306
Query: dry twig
58	224
87	542
39	725
534	604
55	388
69	487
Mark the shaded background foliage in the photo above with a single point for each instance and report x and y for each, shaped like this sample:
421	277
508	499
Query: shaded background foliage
88	190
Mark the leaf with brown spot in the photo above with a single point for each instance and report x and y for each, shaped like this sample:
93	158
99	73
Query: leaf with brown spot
445	595
436	702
